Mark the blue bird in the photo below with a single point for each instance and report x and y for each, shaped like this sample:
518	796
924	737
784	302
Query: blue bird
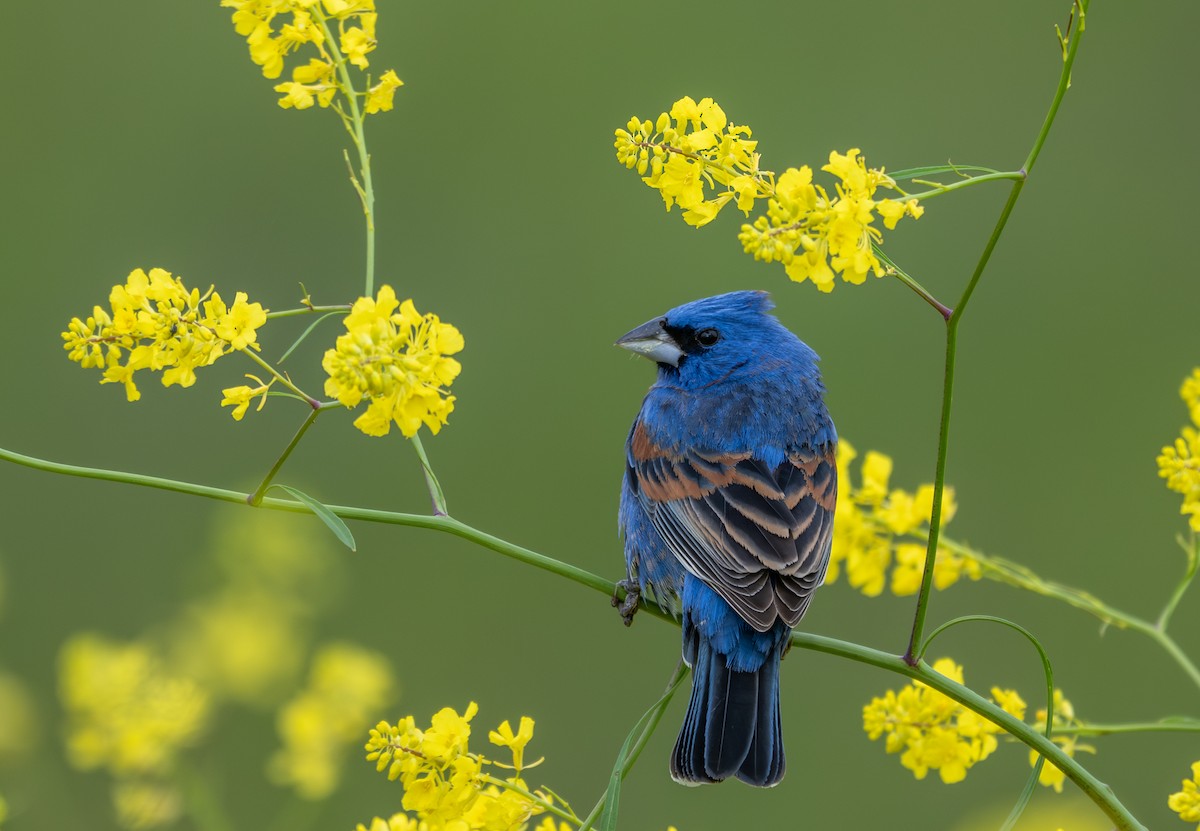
727	513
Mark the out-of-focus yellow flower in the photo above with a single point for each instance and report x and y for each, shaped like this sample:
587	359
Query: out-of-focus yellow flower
347	686
379	99
1064	716
1179	463
243	645
396	359
933	732
1186	803
877	526
445	784
126	712
146	804
18	719
157	324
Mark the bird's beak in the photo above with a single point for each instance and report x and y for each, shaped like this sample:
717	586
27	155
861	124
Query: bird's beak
652	341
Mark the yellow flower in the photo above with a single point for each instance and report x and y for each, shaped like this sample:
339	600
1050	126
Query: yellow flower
1064	716
447	785
505	737
18	719
877	527
700	151
157	324
1179	464
1186	803
379	99
125	711
241	396
347	684
932	731
358	41
398	360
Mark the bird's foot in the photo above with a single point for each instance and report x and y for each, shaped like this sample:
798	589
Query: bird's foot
628	605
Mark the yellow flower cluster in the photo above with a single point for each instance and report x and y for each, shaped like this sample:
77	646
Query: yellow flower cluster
1179	464
312	22
877	526
126	711
396	359
816	236
154	322
700	149
448	787
347	687
1064	717
934	732
1186	803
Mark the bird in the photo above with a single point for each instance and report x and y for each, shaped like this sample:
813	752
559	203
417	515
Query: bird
726	511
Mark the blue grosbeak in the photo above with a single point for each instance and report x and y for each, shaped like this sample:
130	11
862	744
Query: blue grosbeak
727	512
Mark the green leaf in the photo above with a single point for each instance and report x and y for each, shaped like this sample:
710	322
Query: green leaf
935	169
305	334
335	523
633	745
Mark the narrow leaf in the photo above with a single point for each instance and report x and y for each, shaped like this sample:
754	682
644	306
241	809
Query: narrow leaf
335	523
935	169
305	334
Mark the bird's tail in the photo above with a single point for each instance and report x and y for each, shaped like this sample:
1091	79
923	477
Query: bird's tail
732	727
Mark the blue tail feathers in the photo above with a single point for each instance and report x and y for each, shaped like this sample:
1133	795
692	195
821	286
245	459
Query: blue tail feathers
732	726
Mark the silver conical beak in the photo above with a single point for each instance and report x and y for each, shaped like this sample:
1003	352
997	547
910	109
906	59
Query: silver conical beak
652	340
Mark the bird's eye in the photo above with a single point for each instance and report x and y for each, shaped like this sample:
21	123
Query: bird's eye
707	337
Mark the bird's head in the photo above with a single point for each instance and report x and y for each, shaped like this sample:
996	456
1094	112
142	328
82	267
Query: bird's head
704	341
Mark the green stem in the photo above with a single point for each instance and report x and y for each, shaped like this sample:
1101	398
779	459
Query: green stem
281	378
435	488
655	716
965	183
367	193
307	310
903	276
257	497
1014	574
953	321
1095	790
1193	554
1182	725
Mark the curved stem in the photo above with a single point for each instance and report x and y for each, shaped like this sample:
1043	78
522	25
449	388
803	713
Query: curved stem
545	805
1192	550
1095	790
1014	574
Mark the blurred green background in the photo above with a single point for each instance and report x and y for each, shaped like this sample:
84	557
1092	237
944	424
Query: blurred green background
140	134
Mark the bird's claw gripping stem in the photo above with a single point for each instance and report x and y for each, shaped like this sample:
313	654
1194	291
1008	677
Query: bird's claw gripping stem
628	605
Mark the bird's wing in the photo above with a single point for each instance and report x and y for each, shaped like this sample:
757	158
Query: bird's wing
758	536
